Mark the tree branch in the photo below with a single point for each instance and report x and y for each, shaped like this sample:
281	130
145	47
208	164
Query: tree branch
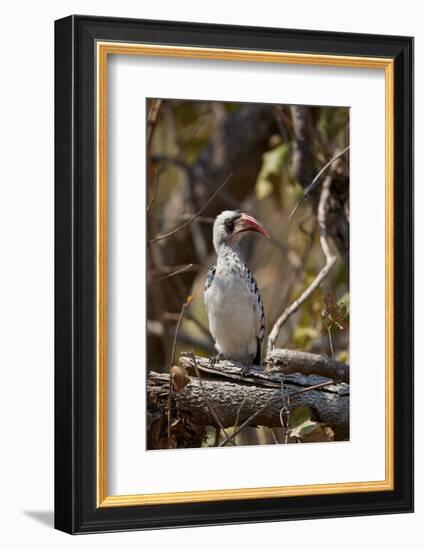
330	260
277	362
241	402
312	186
206	398
292	361
152	118
188	222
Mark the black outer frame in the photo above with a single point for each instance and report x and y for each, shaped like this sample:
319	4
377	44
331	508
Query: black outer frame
75	275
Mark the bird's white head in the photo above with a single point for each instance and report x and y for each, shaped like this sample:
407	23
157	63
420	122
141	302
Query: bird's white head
231	225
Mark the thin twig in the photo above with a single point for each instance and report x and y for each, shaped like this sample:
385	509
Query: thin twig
171	386
181	269
297	269
158	303
181	315
170	400
314	182
285	409
287	431
208	220
286	405
201	219
188	222
208	403
152	119
274	436
154	192
238	413
330	339
199	242
330	259
174	345
314	387
217	433
246	422
165	269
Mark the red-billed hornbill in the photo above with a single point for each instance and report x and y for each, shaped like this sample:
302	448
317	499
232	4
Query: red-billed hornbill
232	299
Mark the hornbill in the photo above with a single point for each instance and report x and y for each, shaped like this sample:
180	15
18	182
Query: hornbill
232	299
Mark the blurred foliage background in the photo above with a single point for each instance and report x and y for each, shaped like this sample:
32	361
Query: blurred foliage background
273	153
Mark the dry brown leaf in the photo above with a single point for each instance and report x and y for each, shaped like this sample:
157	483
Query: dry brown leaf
179	377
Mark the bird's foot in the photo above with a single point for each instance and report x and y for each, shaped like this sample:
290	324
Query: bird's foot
214	360
245	370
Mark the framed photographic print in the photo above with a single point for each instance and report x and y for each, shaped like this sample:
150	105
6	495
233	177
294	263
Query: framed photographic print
234	274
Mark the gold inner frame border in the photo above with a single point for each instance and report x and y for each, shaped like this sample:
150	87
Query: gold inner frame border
103	50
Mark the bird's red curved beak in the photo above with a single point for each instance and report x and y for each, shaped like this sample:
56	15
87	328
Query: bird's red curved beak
249	223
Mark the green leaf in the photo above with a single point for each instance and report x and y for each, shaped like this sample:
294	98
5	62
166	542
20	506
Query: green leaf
270	176
299	416
304	429
303	335
300	423
345	299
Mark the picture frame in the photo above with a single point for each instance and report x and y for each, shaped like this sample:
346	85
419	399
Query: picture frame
83	45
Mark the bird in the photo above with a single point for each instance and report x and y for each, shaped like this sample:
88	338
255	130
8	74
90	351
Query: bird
232	298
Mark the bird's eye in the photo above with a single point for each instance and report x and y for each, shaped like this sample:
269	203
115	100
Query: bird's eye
229	226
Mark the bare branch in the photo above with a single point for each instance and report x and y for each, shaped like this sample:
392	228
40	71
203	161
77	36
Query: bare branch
181	315
184	217
290	361
188	222
154	192
152	119
171	386
181	269
312	186
277	362
169	414
251	418
236	423
330	260
314	387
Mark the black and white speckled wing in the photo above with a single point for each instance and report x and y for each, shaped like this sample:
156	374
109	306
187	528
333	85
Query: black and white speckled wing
258	307
209	279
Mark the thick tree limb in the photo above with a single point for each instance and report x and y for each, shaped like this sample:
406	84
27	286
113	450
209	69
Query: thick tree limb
234	398
292	361
277	362
330	403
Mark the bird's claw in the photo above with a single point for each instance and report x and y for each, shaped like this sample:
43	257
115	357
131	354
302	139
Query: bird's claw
245	370
215	359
